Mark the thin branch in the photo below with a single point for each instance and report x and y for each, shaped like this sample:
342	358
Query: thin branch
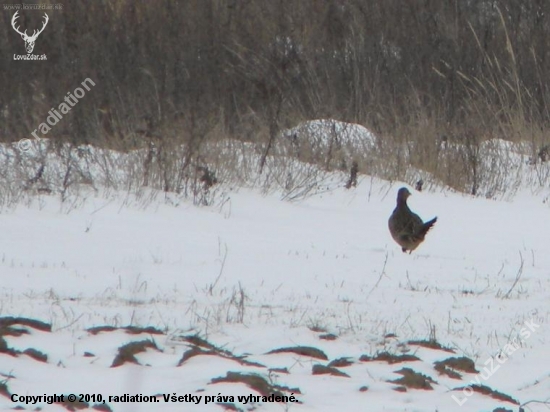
382	273
518	276
213	285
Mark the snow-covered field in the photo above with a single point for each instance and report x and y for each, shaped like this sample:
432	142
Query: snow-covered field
220	287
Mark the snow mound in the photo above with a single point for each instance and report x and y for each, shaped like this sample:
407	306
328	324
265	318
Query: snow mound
329	140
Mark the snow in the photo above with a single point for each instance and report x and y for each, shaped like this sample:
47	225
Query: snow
324	139
257	274
322	131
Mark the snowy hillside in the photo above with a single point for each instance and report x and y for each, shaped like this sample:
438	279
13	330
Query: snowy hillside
256	296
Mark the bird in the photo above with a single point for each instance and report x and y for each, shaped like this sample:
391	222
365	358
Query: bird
406	227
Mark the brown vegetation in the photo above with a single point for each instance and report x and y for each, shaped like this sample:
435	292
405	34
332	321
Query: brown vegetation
432	79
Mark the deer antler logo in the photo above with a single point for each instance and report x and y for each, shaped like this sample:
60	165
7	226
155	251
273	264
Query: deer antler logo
29	40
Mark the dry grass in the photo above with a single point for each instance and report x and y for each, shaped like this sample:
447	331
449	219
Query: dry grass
327	370
255	382
132	330
485	390
389	358
431	344
126	353
201	347
413	380
302	351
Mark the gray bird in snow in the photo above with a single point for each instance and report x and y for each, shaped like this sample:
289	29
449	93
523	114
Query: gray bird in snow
406	227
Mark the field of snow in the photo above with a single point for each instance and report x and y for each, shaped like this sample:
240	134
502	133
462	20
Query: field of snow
254	296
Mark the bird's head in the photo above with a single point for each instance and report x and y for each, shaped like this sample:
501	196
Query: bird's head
403	195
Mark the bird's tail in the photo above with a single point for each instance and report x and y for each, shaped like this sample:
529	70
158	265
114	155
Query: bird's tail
426	227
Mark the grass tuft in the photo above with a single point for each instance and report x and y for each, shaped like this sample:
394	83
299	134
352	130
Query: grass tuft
132	330
462	363
127	352
8	321
302	351
485	390
389	358
414	380
327	370
197	349
431	344
255	382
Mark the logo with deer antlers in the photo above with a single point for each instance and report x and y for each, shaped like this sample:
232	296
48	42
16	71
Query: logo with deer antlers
29	40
